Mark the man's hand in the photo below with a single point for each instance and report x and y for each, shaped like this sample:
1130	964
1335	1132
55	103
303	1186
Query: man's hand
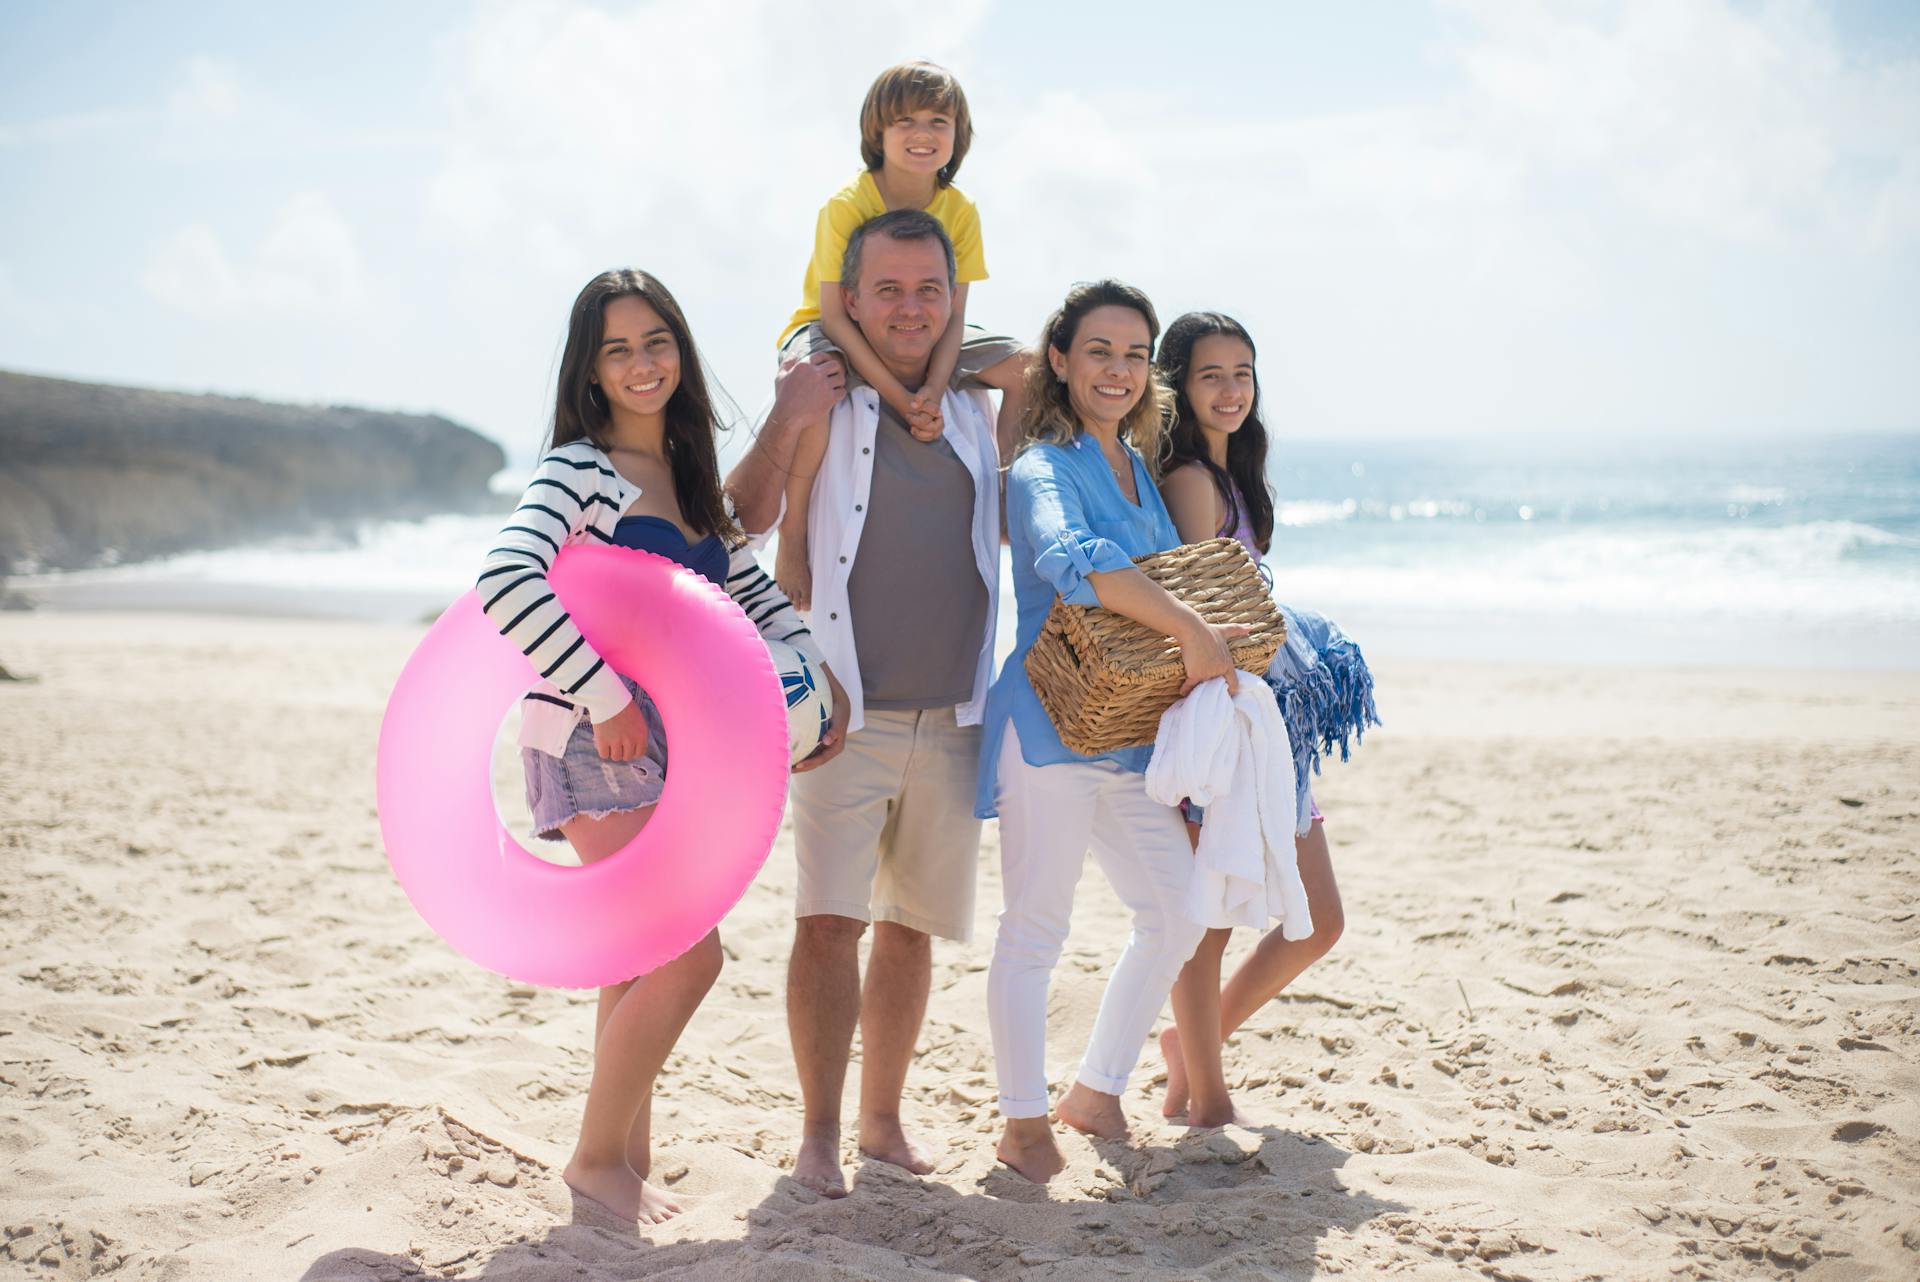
807	388
834	738
804	393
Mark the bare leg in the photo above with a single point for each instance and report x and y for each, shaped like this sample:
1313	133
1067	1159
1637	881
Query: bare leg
1175	1103
790	566
1277	962
636	1027
640	1138
899	976
823	1007
1192	1044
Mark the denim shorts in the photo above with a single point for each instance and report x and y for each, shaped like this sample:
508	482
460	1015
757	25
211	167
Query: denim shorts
582	782
1194	813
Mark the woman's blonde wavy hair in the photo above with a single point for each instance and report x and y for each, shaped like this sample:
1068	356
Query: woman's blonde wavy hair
1049	414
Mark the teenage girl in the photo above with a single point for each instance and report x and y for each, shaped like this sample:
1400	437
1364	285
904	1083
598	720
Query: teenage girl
1215	485
631	461
914	132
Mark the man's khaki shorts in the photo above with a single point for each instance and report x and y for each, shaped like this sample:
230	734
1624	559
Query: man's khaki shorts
885	831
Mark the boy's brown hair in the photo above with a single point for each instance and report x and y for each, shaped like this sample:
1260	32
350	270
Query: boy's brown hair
912	86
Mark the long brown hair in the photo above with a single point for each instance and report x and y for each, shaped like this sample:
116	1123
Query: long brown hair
1049	413
580	408
906	87
1246	449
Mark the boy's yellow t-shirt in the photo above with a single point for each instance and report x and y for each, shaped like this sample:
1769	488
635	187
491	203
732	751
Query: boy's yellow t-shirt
860	200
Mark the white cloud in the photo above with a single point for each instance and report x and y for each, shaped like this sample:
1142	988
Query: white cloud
208	89
305	264
1574	238
662	113
694	140
1495	247
57	129
1740	122
1605	213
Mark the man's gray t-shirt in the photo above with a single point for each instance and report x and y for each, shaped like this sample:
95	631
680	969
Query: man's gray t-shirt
918	603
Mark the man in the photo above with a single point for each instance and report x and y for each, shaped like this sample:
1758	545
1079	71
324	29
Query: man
904	548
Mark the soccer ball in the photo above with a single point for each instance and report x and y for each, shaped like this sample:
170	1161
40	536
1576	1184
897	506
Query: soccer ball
809	700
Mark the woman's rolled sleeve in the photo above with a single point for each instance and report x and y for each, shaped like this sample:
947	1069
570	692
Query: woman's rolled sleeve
1071	558
1066	551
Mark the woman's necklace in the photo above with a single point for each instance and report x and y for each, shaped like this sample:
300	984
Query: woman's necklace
1122	471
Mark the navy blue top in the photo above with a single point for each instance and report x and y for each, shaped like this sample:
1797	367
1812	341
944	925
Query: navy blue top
658	535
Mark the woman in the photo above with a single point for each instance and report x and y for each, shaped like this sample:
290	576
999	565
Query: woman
1081	505
631	462
1216	486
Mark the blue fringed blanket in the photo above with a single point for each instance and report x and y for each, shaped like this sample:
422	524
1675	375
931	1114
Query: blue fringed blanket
1325	692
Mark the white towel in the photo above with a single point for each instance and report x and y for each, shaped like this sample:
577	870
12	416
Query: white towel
1229	753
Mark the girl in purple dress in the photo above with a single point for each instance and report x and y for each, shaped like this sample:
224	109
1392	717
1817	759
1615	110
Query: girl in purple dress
1215	485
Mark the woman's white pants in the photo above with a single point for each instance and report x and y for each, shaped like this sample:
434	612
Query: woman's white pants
1049	817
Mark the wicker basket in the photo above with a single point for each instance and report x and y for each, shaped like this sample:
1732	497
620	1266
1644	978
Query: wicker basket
1105	679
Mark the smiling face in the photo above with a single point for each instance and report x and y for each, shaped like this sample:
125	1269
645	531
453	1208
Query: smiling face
1220	384
638	364
1107	366
919	142
901	302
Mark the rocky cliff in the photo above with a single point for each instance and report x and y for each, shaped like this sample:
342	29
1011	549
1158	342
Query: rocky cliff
92	474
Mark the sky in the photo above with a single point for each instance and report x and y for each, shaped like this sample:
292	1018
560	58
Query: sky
1573	220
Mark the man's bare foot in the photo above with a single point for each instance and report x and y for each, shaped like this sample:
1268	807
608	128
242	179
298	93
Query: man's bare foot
1175	1102
1095	1112
885	1140
790	572
621	1193
818	1164
1028	1147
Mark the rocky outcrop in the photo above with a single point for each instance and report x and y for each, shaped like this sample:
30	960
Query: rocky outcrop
92	475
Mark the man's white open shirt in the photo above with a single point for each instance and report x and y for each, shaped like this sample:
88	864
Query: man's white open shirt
839	512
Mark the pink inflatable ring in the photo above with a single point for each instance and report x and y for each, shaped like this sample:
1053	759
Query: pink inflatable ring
691	648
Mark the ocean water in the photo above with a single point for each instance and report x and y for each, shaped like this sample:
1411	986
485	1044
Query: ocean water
1766	552
1797	552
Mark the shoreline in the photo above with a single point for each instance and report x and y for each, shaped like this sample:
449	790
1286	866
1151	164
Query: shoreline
74	595
1551	640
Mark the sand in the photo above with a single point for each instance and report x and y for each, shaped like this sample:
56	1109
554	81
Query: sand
1630	989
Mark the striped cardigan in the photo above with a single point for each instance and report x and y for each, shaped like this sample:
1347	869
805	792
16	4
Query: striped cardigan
576	496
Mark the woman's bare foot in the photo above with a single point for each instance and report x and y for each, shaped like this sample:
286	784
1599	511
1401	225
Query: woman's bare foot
818	1163
1175	1102
621	1193
790	572
1095	1112
1028	1147
885	1140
